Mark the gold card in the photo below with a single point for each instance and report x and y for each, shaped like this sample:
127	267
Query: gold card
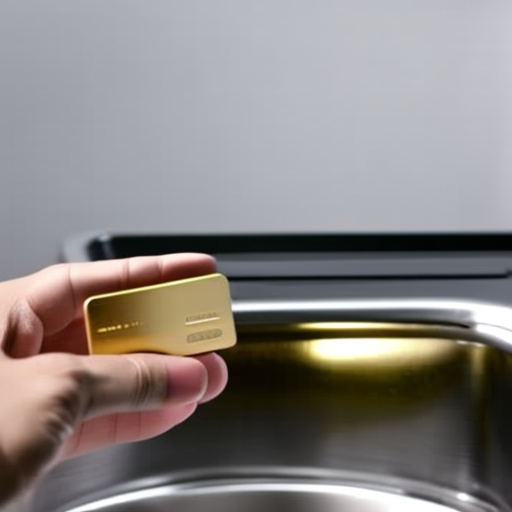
184	317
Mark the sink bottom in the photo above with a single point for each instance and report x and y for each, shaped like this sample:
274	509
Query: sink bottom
254	494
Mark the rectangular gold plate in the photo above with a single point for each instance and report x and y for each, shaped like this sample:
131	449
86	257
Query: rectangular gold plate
184	317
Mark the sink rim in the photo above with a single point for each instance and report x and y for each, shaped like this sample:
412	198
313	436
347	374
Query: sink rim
242	479
489	324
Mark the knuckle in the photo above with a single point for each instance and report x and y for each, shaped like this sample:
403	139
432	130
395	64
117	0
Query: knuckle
68	391
51	270
148	384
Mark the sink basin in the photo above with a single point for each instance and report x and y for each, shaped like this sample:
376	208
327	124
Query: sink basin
353	405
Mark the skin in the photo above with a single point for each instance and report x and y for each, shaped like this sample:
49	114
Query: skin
56	401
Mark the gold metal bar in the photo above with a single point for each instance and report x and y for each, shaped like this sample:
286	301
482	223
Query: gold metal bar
185	317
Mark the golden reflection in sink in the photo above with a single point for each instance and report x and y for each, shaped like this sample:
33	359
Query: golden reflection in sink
345	345
370	369
377	352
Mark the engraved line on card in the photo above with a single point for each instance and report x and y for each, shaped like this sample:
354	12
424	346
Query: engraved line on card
201	318
210	334
120	327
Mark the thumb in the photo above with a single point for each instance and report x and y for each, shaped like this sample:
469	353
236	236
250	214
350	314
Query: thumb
55	393
138	382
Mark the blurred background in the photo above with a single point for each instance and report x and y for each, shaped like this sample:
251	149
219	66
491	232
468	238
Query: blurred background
263	116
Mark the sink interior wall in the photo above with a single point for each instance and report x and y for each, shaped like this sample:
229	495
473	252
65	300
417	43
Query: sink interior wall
425	408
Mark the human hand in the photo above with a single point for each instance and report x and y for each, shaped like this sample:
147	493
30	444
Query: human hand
56	401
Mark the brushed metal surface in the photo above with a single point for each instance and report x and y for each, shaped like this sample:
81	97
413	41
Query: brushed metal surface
414	392
273	495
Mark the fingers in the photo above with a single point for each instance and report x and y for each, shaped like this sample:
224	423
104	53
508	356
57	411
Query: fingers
86	402
58	292
82	403
184	393
139	382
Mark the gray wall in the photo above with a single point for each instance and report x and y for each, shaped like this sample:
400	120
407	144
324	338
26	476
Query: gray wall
269	115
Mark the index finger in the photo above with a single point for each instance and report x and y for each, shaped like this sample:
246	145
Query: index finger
58	292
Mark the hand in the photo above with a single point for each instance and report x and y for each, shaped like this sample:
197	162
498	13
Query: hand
56	401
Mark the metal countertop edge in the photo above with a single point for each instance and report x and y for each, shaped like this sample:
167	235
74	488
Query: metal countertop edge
493	322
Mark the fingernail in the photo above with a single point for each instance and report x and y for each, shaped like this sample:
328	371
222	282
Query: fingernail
187	380
217	375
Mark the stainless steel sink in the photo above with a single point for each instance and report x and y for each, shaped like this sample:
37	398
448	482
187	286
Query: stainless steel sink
367	406
277	494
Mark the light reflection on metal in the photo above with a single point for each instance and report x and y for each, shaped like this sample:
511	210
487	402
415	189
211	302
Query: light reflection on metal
346	350
330	326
